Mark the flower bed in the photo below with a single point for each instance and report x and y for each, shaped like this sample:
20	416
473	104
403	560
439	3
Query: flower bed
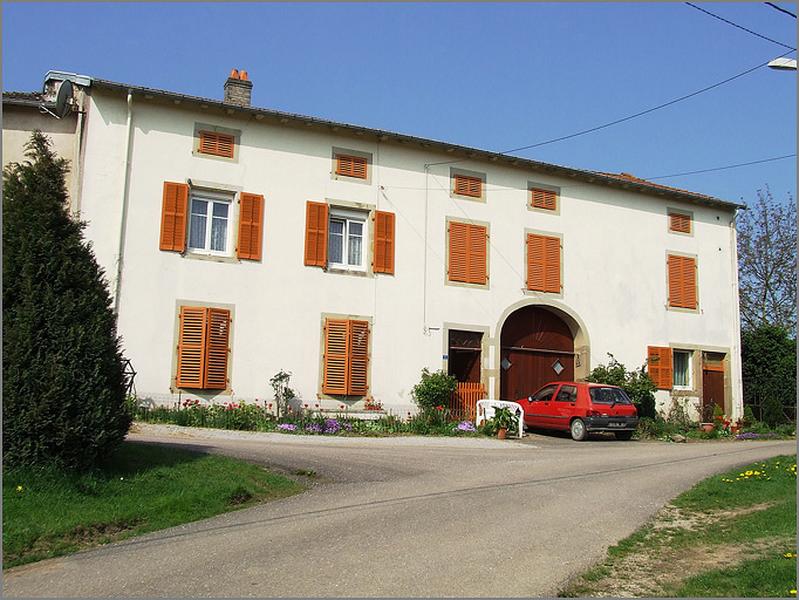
244	416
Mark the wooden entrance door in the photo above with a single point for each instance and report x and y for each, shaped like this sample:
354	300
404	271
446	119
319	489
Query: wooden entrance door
536	347
712	385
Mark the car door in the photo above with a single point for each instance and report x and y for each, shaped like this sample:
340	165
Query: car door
564	406
538	407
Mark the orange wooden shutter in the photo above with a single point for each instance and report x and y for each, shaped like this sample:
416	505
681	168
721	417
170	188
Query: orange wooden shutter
217	144
316	234
468	253
251	218
545	199
682	281
216	348
351	166
173	216
358	380
543	263
468	186
191	347
335	367
384	242
478	238
458	251
659	367
679	223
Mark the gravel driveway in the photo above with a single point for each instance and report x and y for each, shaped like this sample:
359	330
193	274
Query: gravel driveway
405	516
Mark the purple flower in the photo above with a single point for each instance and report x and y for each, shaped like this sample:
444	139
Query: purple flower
313	428
466	426
347	426
751	435
332	426
287	427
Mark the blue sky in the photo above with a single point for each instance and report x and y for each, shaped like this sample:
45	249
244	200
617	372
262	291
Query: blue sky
494	76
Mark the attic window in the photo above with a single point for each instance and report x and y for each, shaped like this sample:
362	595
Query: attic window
216	144
351	166
465	185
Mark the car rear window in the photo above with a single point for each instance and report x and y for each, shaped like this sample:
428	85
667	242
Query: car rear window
608	395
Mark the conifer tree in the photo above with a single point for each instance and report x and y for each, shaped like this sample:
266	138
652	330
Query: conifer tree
63	382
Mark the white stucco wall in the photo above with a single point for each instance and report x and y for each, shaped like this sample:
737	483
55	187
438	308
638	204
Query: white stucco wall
614	256
20	121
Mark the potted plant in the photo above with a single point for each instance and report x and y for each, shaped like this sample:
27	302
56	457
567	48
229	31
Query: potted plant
503	421
707	425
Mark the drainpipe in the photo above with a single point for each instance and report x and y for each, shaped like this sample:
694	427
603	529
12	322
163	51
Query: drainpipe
77	162
425	329
123	218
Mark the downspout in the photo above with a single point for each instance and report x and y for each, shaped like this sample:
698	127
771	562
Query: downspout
123	218
735	360
425	329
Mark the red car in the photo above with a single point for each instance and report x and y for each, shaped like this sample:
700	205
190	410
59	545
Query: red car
581	408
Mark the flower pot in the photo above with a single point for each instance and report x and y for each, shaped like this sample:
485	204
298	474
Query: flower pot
706	427
502	433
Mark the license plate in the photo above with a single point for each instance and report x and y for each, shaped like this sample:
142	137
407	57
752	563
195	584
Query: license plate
614	424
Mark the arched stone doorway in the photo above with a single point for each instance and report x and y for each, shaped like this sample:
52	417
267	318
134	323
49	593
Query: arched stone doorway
539	344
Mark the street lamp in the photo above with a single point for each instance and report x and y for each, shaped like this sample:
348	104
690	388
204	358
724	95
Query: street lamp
785	64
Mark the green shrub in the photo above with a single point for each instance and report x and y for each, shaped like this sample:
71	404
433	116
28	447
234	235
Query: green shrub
433	390
637	384
768	356
63	382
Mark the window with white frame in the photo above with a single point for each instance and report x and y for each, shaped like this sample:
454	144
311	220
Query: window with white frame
209	223
346	248
682	368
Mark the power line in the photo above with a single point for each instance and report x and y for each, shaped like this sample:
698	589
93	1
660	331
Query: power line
623	119
775	7
754	162
715	16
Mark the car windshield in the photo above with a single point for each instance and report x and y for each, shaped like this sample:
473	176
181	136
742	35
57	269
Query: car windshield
608	395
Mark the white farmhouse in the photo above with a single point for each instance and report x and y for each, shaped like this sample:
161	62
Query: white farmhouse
240	241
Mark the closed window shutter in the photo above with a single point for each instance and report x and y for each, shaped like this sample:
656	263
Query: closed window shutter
251	218
478	238
543	263
659	367
335	367
468	186
680	223
217	144
316	234
358	358
173	216
384	242
351	166
216	348
682	281
191	347
544	199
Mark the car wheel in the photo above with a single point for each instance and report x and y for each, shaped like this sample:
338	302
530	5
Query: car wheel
578	430
623	435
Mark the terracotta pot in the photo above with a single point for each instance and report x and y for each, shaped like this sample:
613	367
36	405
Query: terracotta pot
707	427
502	433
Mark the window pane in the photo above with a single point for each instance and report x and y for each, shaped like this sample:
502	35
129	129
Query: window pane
681	366
219	227
199	210
220	209
335	246
355	243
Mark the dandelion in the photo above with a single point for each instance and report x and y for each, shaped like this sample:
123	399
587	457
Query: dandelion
793	592
19	489
122	479
790	555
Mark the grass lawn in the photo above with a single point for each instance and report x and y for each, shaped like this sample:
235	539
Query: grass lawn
141	488
731	535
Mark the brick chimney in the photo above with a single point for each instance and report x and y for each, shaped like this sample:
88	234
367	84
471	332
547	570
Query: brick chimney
238	88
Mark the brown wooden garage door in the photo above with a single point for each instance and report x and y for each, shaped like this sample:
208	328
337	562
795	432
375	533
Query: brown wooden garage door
536	347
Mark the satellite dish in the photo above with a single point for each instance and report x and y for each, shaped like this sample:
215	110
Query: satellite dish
63	100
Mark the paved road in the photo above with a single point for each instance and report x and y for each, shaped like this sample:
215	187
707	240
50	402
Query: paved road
400	517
